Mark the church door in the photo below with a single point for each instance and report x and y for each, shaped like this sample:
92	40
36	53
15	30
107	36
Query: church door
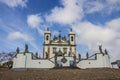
71	63
59	63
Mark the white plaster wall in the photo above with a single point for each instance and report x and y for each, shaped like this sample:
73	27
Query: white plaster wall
107	61
19	61
45	50
42	63
93	57
99	63
73	50
26	61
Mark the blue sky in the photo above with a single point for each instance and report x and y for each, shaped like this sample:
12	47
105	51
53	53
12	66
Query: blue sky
95	22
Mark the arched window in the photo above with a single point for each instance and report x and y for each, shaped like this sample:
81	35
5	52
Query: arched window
72	38
47	37
54	49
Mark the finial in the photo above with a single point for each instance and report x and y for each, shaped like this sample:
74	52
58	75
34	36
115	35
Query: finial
47	29
71	29
59	33
64	37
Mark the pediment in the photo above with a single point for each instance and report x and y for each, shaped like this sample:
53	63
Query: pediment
57	41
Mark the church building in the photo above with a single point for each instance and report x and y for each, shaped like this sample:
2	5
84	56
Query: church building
59	45
60	52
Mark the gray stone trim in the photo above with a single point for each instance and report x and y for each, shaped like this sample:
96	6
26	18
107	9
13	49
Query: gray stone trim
26	69
58	45
71	34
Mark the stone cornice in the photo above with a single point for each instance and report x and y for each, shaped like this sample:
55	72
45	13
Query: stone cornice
58	45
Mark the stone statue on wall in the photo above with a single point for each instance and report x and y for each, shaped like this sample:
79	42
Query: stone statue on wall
79	57
56	55
100	48
17	50
74	59
69	54
46	55
26	48
106	52
87	55
36	54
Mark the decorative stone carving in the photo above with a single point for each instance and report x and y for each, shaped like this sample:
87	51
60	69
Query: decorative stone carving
100	48
26	48
69	54
36	54
60	53
79	57
64	50
74	59
106	52
46	55
56	55
54	50
64	60
17	50
87	55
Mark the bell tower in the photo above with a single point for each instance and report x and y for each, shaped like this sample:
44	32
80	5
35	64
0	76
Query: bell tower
46	48
47	36
72	43
72	37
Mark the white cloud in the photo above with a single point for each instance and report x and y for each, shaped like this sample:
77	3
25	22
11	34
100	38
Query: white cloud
15	3
114	24
106	6
68	14
40	31
91	32
73	11
34	20
19	35
113	1
56	33
91	7
92	35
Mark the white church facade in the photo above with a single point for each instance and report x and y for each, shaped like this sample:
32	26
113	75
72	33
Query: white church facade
60	52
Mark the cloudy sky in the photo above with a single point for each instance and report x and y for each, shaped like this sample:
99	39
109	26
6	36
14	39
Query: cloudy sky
95	22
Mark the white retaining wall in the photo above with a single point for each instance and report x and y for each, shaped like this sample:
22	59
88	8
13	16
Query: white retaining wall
26	61
100	62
